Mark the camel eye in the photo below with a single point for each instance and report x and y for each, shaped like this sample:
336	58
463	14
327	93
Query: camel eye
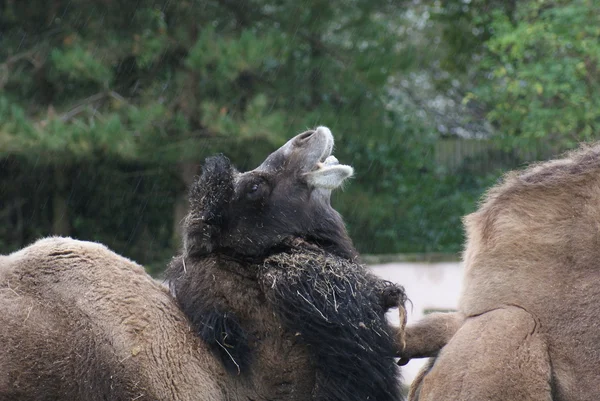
256	189
253	191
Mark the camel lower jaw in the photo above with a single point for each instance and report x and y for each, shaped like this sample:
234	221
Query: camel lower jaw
332	163
329	174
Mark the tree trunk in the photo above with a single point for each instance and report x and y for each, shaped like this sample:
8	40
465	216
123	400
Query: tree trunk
186	171
60	204
19	226
315	75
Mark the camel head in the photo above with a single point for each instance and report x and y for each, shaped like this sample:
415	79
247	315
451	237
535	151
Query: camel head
287	196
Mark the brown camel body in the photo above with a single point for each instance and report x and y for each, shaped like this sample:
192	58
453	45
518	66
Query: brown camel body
528	321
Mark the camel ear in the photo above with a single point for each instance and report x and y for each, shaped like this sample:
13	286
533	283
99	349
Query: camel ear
330	174
209	197
213	190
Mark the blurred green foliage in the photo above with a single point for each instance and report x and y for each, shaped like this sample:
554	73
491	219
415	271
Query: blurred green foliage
536	73
107	108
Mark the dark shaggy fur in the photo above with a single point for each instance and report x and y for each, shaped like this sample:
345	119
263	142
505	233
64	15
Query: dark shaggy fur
331	305
226	337
334	304
201	287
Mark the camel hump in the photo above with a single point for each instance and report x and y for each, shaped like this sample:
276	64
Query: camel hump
57	256
57	248
546	204
498	355
53	243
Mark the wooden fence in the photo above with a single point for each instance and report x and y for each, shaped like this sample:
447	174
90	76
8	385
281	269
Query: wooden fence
485	155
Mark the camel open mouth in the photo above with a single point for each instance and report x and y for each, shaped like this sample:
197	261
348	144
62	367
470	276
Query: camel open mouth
328	173
333	172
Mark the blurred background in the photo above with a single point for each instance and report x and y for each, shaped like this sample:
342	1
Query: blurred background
108	107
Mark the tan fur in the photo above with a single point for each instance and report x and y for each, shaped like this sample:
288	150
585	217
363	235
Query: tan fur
531	293
80	322
499	355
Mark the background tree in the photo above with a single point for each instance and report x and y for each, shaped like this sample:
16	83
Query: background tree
528	68
542	70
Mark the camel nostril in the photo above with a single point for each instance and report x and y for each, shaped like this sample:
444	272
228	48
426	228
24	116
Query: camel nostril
304	136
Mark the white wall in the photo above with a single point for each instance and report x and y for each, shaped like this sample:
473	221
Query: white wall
428	286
